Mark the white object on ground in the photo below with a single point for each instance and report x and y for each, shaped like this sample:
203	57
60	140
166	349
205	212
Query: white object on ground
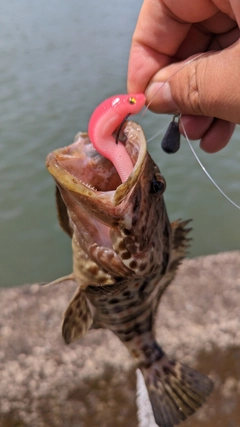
145	414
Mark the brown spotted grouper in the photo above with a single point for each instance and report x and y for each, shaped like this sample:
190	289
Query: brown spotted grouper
125	254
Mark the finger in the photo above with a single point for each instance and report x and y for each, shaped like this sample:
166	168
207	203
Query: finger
195	126
201	39
208	85
217	136
213	133
158	35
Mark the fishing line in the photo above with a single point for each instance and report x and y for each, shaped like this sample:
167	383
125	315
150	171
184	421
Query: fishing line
156	134
205	170
185	133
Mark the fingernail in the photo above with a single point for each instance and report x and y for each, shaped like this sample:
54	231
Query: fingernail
159	94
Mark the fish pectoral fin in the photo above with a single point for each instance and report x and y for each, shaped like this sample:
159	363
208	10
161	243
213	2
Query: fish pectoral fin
61	280
77	319
175	391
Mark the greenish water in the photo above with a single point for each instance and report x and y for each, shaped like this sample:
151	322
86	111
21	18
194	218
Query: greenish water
58	61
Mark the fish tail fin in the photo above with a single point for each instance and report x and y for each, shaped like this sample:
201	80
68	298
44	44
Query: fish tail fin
77	319
175	390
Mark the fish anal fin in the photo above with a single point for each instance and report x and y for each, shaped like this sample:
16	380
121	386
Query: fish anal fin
175	390
77	318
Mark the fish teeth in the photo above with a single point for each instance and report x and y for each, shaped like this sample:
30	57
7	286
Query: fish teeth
88	185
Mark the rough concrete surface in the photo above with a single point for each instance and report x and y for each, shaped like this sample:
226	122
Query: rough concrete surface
44	383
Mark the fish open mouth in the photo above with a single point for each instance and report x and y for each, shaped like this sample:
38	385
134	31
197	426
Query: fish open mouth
81	169
90	186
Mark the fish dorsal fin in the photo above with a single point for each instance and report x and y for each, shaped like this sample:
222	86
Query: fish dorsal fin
180	241
179	247
77	318
62	212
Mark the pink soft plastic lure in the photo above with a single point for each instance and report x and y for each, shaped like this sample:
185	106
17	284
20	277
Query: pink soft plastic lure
103	122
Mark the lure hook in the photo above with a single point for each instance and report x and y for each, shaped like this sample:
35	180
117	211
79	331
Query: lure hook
120	127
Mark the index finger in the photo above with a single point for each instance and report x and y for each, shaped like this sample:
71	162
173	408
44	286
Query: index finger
159	33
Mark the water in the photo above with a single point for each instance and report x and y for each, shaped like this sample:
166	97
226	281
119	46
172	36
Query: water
58	61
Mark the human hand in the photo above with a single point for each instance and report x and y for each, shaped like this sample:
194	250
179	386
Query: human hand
207	90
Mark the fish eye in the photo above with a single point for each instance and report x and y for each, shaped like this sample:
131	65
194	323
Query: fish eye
158	185
132	100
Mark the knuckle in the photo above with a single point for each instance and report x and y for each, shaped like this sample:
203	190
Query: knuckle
193	94
187	90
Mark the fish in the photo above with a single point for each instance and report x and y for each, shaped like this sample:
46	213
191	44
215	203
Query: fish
125	255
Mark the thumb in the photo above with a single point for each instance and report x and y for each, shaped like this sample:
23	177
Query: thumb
208	85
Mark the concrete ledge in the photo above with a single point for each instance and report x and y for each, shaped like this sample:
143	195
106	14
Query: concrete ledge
44	383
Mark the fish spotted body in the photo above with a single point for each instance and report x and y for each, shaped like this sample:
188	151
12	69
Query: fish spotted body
125	254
